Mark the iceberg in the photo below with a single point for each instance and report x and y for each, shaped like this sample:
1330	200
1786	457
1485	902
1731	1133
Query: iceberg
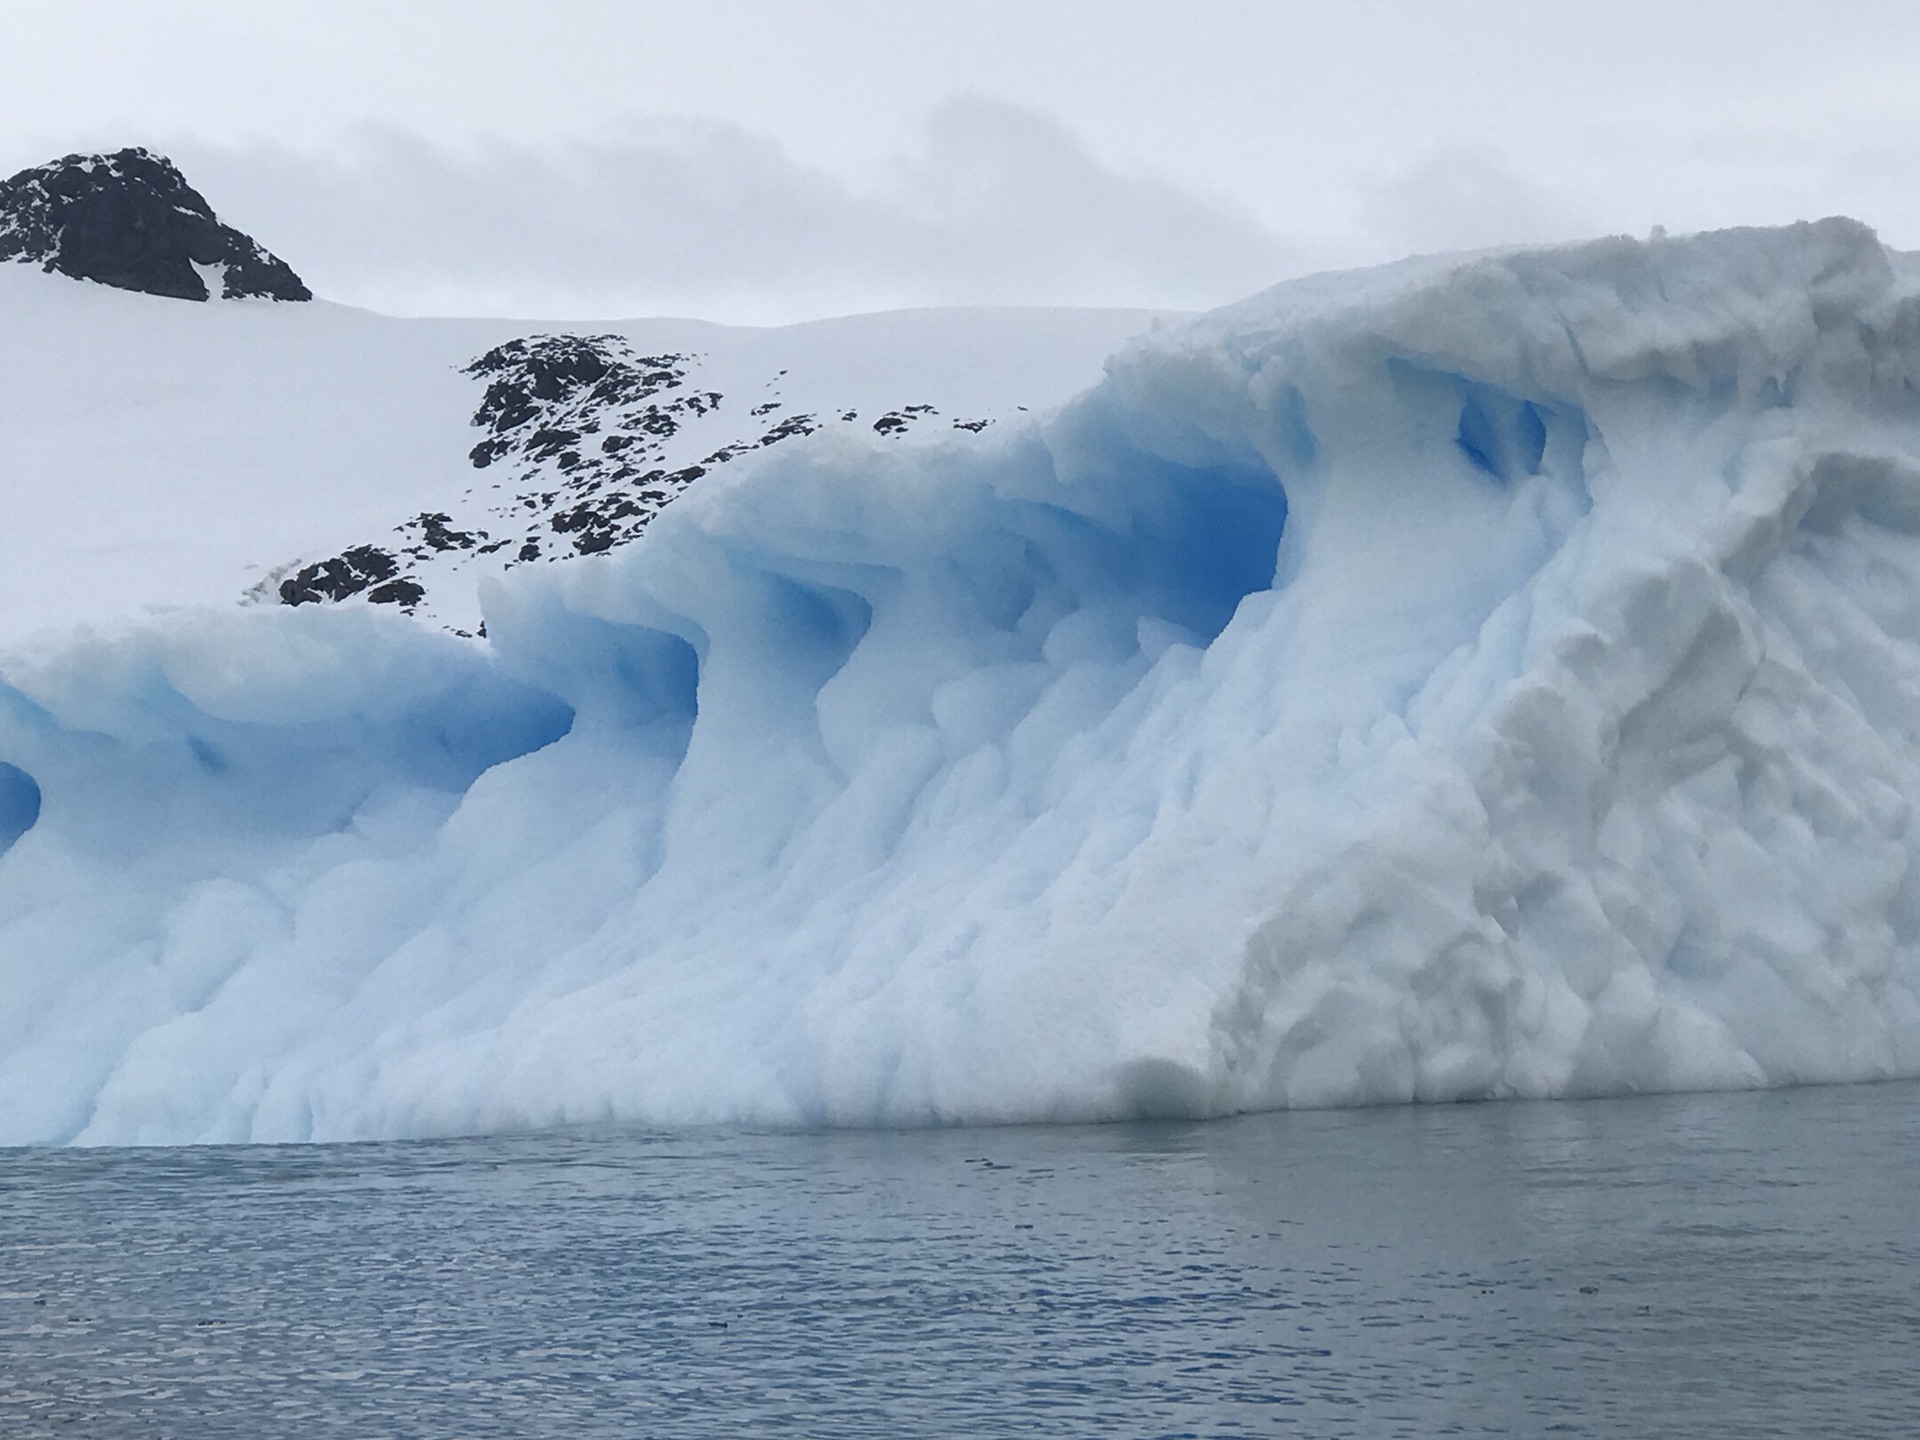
1487	676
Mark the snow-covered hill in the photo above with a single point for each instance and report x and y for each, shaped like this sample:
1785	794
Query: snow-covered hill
158	454
1486	676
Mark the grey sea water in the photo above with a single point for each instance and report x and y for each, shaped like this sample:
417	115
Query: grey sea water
1727	1265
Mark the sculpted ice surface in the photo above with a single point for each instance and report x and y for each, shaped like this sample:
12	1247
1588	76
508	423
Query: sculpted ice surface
1486	676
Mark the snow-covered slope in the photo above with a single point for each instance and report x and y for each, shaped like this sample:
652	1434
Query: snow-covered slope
157	454
1487	676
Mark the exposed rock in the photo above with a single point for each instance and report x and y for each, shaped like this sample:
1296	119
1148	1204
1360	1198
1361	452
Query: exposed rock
348	573
586	441
130	220
547	394
896	422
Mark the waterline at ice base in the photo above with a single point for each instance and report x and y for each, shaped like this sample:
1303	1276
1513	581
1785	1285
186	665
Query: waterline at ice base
1488	676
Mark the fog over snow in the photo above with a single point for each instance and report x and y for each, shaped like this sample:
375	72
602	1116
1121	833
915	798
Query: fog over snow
761	162
987	203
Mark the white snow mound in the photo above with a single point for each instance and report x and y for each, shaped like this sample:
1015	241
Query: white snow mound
1489	676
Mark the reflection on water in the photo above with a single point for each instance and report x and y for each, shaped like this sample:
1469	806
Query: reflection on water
1701	1265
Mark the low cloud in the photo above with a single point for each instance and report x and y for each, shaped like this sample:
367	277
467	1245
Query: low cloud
1464	200
988	203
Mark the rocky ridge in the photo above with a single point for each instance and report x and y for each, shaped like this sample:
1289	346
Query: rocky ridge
590	439
130	220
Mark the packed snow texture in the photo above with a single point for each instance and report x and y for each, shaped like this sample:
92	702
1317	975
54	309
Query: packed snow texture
1486	676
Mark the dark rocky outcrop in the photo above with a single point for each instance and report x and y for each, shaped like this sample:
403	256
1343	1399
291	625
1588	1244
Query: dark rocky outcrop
130	220
584	420
361	568
585	440
896	422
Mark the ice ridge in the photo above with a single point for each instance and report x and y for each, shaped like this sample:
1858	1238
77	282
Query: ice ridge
1487	676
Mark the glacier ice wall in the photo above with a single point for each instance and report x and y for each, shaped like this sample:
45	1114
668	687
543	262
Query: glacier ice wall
1487	676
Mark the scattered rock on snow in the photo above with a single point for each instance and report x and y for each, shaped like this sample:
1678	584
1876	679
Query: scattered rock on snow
590	439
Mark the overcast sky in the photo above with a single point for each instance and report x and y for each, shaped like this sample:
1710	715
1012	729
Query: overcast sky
782	159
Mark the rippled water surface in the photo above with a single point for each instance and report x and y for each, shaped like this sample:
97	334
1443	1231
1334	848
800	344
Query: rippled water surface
1727	1265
